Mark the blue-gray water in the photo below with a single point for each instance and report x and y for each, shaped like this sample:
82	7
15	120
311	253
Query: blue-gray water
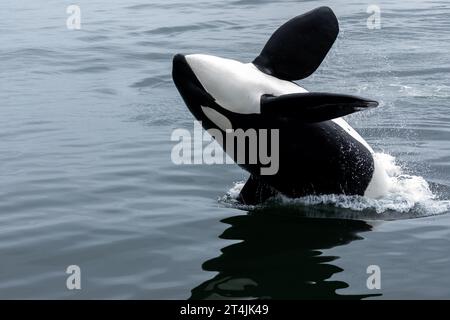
86	176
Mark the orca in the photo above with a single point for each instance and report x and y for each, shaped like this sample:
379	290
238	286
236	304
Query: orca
319	152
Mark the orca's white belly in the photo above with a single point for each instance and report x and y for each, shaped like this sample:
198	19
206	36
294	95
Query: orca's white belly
237	86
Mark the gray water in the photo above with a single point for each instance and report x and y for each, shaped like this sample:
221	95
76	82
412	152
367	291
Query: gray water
86	176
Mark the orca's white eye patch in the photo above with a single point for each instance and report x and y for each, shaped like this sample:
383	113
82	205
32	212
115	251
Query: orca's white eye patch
217	118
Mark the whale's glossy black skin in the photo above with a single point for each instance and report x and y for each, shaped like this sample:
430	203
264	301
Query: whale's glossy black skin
315	157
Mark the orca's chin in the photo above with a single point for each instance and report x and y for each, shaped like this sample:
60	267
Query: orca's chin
181	71
190	88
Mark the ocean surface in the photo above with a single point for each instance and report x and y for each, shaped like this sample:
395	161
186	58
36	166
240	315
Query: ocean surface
86	176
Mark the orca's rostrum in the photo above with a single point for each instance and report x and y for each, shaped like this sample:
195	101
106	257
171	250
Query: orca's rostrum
319	153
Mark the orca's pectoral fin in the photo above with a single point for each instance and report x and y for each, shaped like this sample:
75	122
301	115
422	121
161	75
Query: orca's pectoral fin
299	46
256	191
313	106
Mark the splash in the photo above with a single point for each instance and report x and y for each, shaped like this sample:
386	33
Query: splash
438	91
394	191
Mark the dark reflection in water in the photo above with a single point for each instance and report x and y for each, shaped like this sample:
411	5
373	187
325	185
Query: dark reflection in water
279	257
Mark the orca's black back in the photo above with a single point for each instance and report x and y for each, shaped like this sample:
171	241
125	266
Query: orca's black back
319	158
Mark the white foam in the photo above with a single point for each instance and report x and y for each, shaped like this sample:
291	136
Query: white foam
234	192
397	191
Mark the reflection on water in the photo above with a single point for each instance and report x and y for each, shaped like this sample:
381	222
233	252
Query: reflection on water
86	118
279	257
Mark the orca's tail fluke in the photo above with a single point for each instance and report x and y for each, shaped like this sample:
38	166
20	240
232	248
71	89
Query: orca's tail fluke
299	46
